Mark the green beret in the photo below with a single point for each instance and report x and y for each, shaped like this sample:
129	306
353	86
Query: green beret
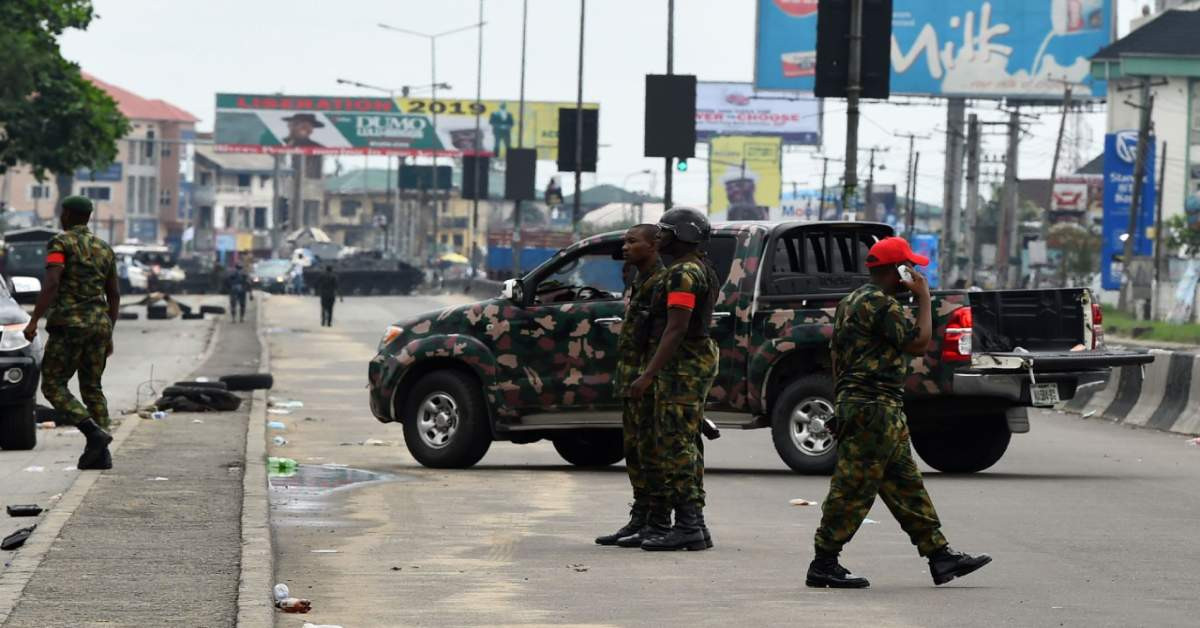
79	204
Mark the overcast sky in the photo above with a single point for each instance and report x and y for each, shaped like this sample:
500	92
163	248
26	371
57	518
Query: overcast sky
185	51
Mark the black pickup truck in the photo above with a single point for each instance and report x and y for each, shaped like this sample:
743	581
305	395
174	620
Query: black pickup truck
536	362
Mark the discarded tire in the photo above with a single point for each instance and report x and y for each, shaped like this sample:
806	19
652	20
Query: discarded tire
249	381
156	312
212	309
127	316
192	316
216	385
192	399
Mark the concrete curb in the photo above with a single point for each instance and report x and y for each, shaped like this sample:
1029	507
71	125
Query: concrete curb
25	561
1165	395
258	566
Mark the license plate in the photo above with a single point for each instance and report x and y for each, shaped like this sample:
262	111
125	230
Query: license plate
1044	394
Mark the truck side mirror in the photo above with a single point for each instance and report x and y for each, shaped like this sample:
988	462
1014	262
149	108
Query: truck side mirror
513	290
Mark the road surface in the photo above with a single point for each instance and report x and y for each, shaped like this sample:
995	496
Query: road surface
1090	523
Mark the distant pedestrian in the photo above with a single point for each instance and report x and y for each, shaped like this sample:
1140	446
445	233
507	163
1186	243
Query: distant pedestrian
82	297
637	415
239	285
872	341
328	290
678	376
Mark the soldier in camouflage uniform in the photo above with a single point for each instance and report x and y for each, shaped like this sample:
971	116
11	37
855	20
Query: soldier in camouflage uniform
641	255
678	376
872	337
82	297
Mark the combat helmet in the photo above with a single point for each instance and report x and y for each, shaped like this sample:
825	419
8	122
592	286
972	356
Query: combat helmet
687	224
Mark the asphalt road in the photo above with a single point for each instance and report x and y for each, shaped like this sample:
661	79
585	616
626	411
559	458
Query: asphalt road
1089	523
143	350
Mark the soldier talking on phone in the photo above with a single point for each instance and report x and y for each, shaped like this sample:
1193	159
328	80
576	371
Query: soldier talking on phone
872	341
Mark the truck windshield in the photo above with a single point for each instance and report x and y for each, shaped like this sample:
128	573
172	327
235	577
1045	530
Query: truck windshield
23	258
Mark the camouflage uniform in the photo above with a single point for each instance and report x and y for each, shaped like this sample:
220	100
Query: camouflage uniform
681	388
78	323
874	455
636	414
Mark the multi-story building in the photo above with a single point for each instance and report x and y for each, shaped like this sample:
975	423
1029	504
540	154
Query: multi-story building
139	196
232	195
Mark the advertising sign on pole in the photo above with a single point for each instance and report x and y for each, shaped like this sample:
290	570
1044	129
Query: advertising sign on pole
1120	153
348	125
929	245
737	109
744	177
970	48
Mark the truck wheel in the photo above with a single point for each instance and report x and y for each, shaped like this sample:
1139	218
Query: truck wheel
17	428
591	448
798	425
446	421
967	446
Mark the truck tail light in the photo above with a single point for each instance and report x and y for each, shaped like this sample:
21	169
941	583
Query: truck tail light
1097	326
956	342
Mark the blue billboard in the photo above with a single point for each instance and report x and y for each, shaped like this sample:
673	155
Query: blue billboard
929	245
111	173
1120	155
971	48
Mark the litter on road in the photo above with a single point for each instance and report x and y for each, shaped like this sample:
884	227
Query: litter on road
17	539
276	425
157	478
800	501
325	551
279	441
294	605
24	510
278	411
281	592
35	469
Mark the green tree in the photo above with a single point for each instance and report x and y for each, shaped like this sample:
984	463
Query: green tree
51	117
1080	251
1181	237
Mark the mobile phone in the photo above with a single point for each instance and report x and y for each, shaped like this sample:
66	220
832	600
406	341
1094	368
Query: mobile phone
905	273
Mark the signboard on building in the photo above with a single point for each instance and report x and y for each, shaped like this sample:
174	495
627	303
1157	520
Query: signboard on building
346	125
111	173
143	229
1120	154
744	177
737	109
972	48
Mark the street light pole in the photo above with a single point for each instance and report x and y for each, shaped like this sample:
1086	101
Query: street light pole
478	105
579	130
668	183
516	247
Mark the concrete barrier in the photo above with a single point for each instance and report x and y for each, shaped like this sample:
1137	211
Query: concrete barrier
1164	396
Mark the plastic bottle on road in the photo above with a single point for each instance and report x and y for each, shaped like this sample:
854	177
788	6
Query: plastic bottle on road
281	592
158	415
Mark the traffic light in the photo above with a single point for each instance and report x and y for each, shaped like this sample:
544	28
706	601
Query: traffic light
682	165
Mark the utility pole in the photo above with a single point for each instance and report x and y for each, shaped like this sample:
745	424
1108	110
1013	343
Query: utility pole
821	202
575	211
972	216
1146	105
911	221
471	241
517	246
869	215
952	186
1006	234
908	182
1062	128
276	239
1158	233
668	182
853	91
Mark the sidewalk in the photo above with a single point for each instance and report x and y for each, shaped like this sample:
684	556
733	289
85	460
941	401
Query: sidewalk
142	550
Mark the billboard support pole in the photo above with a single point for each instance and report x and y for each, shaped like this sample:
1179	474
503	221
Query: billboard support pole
579	129
516	236
853	90
972	216
471	242
1146	104
952	191
1158	230
668	180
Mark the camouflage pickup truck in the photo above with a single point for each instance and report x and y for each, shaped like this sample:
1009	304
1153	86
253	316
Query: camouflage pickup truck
536	362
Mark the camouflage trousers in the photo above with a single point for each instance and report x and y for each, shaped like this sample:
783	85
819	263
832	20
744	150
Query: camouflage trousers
875	458
72	350
676	455
636	420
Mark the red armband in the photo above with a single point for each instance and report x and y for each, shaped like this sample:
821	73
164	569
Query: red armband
55	258
685	300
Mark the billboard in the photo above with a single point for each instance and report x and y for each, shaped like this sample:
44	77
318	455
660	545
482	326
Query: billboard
972	48
111	173
1120	153
744	180
737	109
347	125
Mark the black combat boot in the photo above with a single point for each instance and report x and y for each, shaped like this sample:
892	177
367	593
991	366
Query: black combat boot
826	571
704	530
946	564
95	452
637	520
658	523
686	534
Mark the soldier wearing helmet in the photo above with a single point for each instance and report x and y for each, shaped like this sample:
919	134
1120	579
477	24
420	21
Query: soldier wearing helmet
677	377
